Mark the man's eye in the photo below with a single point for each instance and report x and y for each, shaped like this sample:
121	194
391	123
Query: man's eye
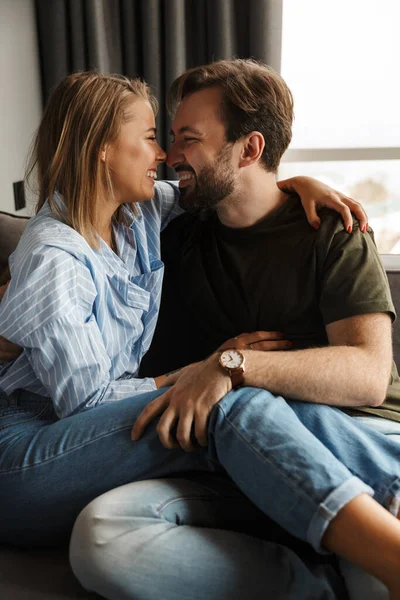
189	139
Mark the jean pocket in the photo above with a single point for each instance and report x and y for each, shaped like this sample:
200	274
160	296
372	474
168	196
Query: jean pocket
17	416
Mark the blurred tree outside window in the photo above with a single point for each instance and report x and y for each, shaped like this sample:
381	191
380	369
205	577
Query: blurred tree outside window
340	60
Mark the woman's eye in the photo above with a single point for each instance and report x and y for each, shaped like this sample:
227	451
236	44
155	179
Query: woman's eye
152	138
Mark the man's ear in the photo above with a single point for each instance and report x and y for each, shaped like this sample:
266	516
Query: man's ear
252	148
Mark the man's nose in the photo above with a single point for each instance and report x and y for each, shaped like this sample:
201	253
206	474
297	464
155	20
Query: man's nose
174	157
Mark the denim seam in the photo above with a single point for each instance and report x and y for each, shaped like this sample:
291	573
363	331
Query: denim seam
14	411
388	497
167	503
39	414
69	451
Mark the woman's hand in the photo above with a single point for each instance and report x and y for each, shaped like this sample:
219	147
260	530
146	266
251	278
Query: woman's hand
258	340
314	194
186	406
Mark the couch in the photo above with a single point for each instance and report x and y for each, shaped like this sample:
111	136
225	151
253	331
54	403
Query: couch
45	574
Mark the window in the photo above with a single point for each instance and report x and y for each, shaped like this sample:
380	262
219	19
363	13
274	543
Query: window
340	59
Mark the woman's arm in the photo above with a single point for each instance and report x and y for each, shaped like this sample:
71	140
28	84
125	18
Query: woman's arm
314	194
8	351
48	311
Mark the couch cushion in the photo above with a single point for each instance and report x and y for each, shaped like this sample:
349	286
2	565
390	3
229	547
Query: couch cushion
38	575
11	228
394	280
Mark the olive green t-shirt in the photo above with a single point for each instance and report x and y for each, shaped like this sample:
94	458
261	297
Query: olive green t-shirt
277	275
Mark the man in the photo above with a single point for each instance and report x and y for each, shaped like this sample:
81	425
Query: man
253	265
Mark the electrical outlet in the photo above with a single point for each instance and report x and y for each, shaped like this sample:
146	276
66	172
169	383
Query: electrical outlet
19	195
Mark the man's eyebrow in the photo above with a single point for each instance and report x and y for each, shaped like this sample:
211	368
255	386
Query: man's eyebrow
187	129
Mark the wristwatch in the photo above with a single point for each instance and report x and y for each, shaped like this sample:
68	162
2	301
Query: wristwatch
232	362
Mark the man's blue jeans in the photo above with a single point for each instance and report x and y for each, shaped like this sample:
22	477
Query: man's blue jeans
199	537
50	469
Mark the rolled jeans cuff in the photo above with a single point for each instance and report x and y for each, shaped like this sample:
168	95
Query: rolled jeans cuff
327	510
392	501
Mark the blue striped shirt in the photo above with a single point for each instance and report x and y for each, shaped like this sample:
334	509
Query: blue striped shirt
85	317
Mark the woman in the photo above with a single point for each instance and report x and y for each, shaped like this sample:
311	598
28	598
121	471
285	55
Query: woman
82	303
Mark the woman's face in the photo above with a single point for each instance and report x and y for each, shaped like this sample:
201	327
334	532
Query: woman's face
134	156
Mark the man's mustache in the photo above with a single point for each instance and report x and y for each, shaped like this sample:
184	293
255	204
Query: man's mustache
184	168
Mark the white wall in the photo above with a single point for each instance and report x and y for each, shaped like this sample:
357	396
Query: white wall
20	96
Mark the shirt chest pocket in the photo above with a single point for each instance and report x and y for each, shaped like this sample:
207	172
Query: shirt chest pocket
128	301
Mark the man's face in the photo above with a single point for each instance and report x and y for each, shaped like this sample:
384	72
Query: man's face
199	152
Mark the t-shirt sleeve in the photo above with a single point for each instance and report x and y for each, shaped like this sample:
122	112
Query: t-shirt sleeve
353	279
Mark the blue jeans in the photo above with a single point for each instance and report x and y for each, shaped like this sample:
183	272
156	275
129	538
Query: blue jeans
154	539
50	469
196	538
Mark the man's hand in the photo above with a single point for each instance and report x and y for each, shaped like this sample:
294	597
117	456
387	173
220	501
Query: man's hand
189	402
258	340
314	194
8	351
186	406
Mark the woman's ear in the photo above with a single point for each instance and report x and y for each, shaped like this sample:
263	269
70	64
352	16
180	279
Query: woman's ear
252	148
103	154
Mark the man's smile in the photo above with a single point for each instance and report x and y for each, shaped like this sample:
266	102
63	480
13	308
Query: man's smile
185	177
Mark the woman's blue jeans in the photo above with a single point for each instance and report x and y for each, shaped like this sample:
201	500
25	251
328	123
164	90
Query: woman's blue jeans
50	469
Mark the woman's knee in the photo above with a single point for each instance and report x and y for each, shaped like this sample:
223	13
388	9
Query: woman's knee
122	522
104	517
120	511
85	552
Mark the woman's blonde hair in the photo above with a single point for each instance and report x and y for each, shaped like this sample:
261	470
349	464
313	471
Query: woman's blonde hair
84	113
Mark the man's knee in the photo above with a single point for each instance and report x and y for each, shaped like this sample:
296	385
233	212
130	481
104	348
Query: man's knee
246	405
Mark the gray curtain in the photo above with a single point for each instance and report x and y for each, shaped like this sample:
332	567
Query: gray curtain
153	39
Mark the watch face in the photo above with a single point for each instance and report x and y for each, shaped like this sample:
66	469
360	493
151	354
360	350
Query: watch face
231	359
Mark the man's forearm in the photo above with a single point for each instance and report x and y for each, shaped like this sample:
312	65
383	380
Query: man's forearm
335	375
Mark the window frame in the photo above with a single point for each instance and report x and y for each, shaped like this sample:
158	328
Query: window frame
391	262
340	154
294	155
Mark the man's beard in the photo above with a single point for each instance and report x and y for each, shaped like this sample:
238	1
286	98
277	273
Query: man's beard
214	183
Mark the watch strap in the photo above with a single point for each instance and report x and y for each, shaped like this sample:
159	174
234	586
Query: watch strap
237	377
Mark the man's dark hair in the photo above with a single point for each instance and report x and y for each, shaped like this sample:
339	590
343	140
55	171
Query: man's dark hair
254	98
